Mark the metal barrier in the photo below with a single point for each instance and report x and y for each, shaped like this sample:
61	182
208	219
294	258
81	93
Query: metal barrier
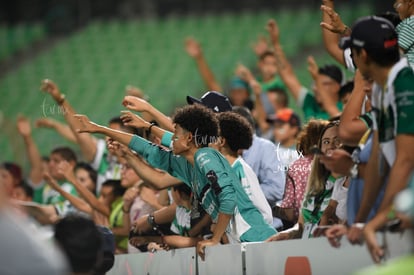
313	256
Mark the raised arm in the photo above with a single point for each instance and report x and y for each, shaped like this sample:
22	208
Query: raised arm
89	197
332	28
140	105
351	127
260	113
87	143
194	50
62	129
284	67
35	159
75	201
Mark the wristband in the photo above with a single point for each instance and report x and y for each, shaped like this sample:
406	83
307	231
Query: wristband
149	128
359	225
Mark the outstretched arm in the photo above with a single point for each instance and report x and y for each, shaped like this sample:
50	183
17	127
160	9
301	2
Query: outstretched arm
87	142
62	129
133	120
36	168
90	198
332	28
75	201
140	105
284	67
194	50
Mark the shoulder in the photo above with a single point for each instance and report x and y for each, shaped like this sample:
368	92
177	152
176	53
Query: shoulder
404	79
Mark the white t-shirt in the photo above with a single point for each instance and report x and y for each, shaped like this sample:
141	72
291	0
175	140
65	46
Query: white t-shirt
340	194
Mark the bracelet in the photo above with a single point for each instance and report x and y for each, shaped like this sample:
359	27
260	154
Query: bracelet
61	99
359	225
345	30
149	128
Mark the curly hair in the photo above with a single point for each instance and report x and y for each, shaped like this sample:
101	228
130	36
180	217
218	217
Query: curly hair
236	130
198	120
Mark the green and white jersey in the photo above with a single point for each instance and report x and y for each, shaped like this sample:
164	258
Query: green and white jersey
252	188
51	196
182	221
106	166
393	108
405	32
215	186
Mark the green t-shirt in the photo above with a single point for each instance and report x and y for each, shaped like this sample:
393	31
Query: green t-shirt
311	108
275	83
214	184
402	265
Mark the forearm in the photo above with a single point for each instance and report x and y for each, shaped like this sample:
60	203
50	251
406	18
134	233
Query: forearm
90	198
78	203
35	159
261	113
65	131
121	137
351	127
86	141
124	229
181	241
221	226
162	120
196	229
372	182
286	72
157	179
207	74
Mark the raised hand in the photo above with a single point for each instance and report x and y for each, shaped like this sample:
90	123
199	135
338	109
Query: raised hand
65	169
50	181
273	30
135	103
192	47
335	23
23	126
244	73
260	46
51	88
313	67
133	120
85	125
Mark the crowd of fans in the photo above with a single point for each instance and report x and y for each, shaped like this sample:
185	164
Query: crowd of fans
238	165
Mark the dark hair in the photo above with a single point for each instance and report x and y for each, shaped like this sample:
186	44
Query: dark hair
333	72
393	17
80	240
128	129
183	189
14	169
244	112
345	89
266	54
282	96
27	189
93	175
236	130
310	135
198	120
382	57
117	189
66	153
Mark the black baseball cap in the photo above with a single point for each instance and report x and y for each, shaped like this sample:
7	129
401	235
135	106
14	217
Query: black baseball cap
213	100
372	33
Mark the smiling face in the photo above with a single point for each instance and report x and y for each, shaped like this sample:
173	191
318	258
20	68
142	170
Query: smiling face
330	140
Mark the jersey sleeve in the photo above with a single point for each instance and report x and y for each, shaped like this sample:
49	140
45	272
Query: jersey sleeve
404	99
